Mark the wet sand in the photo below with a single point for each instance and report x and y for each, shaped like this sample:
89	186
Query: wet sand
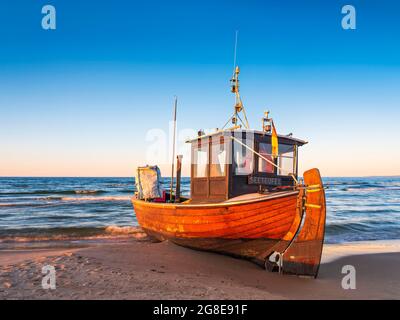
146	270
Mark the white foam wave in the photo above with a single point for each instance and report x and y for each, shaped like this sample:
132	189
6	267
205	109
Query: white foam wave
115	230
91	198
86	191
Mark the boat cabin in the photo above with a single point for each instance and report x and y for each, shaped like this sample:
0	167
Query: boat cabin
226	164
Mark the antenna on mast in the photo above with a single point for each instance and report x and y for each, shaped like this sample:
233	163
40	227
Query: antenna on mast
234	53
235	89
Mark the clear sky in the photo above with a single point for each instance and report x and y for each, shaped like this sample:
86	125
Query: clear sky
80	100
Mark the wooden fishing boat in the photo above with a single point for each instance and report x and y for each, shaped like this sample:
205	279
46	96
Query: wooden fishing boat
246	199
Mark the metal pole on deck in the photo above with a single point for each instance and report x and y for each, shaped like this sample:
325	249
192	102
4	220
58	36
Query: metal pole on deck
178	178
173	150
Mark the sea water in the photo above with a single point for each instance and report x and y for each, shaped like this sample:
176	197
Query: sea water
358	208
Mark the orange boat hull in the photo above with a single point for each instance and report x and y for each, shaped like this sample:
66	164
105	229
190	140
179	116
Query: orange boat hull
251	229
242	229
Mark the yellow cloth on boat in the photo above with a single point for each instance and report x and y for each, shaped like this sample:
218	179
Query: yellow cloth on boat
274	142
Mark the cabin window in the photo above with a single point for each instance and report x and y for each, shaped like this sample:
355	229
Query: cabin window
286	159
200	160
218	158
264	166
243	157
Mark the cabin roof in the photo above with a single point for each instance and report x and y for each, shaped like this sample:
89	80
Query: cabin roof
258	132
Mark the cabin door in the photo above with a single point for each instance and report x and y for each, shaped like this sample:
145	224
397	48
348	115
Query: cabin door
209	170
218	182
200	170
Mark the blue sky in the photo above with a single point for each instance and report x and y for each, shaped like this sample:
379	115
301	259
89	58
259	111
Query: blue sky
79	100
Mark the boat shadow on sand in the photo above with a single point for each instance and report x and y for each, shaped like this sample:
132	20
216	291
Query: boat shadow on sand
376	273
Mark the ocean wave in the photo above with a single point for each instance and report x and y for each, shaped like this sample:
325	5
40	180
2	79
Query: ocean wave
127	191
21	204
88	191
54	200
100	199
369	189
33	204
342	232
71	233
329	182
349	212
61	192
360	225
116	230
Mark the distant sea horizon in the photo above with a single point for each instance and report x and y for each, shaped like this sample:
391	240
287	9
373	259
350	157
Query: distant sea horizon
75	208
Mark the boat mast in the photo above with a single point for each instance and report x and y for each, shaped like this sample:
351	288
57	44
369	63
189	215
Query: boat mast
238	101
173	150
235	89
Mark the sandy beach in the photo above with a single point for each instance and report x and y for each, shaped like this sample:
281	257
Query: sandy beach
145	270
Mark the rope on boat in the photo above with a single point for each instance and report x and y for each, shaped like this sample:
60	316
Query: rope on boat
264	158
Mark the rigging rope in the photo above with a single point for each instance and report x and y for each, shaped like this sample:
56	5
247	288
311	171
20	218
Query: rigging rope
262	157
